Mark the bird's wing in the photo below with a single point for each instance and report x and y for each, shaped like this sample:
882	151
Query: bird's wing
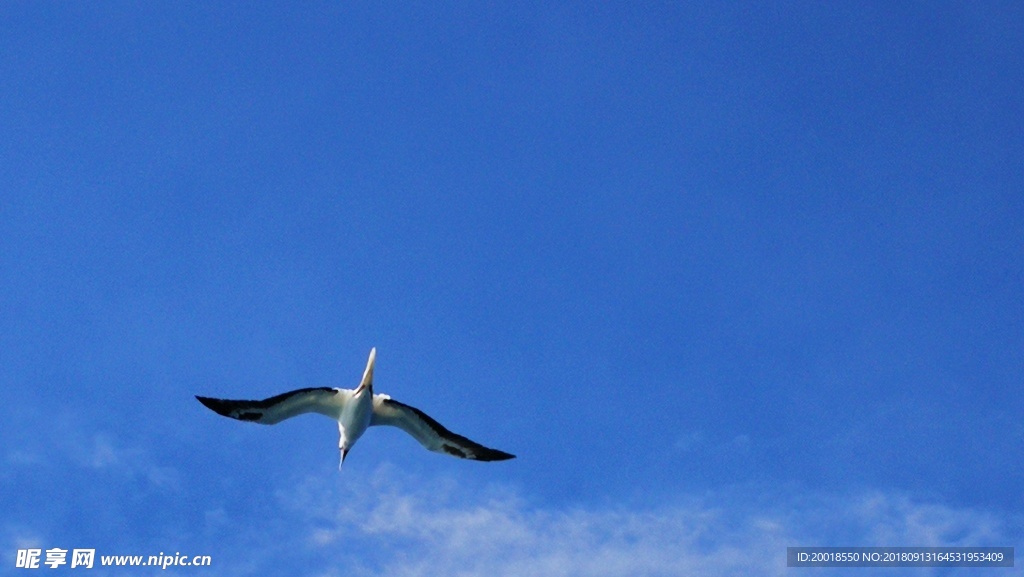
430	433
323	400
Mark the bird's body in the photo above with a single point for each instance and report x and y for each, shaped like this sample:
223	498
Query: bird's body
356	410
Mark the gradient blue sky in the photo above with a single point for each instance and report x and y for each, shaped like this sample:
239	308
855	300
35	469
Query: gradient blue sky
726	277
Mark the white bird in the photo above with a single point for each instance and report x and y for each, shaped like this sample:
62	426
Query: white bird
356	410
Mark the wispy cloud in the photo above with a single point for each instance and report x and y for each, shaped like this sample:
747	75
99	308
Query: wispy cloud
699	441
14	537
394	524
72	442
407	528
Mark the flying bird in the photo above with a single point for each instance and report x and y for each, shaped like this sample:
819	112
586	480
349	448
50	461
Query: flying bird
356	410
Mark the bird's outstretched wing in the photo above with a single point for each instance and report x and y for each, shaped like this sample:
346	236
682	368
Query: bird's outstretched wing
430	433
323	400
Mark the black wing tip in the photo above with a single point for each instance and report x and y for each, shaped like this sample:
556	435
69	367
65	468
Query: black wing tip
219	406
495	455
208	402
476	452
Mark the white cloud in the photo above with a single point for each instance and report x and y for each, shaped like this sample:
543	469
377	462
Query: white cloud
405	528
102	451
690	441
70	440
694	441
102	454
14	537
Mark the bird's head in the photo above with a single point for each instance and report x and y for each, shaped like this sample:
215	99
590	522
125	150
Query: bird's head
344	451
344	444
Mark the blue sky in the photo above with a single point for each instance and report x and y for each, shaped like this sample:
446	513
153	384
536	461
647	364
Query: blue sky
727	279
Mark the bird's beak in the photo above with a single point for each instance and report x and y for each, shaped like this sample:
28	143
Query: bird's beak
368	373
342	462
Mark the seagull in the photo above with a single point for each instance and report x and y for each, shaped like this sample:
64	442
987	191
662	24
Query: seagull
356	410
